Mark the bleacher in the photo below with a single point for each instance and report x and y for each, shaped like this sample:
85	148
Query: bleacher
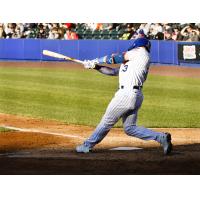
99	34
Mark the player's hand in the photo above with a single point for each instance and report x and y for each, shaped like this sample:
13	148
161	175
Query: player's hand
95	61
89	64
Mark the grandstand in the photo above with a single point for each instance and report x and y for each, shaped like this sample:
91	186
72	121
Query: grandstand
103	31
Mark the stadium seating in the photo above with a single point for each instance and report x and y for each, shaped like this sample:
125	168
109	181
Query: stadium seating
114	35
86	31
121	32
96	34
105	34
80	33
87	34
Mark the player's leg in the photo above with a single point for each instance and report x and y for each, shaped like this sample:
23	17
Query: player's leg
113	112
130	127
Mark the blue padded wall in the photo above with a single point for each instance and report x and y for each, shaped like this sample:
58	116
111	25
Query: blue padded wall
164	52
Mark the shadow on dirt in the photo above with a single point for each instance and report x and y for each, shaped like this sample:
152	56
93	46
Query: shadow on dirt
184	160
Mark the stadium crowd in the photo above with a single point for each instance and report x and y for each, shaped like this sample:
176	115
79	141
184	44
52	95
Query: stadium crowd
122	31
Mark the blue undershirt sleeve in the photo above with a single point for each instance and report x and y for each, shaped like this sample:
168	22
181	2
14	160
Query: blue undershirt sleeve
107	70
111	59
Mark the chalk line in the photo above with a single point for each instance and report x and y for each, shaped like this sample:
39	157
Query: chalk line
42	132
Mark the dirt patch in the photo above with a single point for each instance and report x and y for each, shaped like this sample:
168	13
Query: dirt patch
15	141
176	71
42	152
189	72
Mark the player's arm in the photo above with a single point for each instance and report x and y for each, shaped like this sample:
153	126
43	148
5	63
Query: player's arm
102	69
112	59
107	70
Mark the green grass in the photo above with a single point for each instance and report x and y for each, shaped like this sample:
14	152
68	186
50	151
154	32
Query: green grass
77	96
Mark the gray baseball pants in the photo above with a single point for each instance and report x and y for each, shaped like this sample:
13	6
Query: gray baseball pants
125	104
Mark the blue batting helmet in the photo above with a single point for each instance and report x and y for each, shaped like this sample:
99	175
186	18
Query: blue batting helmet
141	42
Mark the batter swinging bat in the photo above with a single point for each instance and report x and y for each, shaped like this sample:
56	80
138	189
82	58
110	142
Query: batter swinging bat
58	55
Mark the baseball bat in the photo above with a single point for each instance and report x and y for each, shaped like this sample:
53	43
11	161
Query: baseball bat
61	56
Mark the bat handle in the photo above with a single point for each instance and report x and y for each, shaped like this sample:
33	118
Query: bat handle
74	60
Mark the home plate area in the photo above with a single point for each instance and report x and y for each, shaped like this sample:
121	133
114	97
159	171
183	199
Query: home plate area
125	148
35	146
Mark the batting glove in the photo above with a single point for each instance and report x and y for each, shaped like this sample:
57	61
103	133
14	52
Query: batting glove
95	61
89	64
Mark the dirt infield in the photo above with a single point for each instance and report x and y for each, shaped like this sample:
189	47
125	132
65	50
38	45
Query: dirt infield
47	147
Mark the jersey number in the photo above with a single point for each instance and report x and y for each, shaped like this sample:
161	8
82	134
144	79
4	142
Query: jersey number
125	67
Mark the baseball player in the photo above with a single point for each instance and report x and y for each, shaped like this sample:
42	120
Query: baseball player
129	97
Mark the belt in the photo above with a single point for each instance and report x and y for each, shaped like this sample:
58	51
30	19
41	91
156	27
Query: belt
134	87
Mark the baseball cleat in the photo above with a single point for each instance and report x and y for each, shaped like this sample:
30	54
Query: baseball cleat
82	149
166	143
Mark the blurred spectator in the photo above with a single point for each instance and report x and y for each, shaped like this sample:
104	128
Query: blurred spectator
168	34
53	33
2	32
61	32
70	35
17	33
197	25
122	26
27	32
42	33
55	25
30	33
145	27
124	31
166	26
189	34
129	32
155	31
94	26
21	27
107	26
81	26
110	26
68	25
99	26
159	36
8	30
176	35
